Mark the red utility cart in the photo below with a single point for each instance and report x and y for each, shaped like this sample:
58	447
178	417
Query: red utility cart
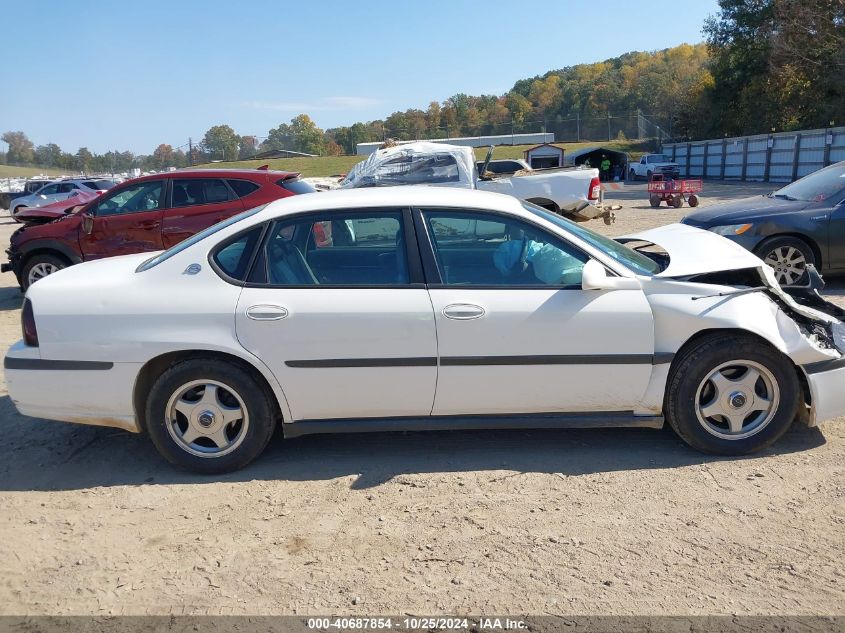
673	192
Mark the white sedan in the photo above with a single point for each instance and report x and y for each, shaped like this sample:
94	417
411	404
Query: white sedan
416	308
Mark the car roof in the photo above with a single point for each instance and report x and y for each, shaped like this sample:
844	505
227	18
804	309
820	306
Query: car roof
400	196
219	173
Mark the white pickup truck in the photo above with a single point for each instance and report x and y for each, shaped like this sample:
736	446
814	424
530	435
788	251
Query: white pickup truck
572	192
651	164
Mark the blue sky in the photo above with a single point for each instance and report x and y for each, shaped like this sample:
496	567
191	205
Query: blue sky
131	75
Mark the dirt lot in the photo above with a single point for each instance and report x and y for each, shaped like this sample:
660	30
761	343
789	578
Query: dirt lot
534	522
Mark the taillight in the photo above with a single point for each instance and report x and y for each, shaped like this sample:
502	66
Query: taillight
30	334
595	189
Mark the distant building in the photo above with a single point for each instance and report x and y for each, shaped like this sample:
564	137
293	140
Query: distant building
544	156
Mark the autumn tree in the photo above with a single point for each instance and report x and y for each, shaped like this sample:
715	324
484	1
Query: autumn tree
307	136
163	156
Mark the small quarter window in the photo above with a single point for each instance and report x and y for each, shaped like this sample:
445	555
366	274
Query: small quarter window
234	256
242	188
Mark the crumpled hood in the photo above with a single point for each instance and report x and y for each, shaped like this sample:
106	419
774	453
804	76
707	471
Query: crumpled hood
739	211
695	251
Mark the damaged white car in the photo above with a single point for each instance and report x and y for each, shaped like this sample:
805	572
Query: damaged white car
574	192
421	308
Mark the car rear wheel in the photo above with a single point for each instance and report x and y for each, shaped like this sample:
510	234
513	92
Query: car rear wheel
39	266
209	416
731	395
788	257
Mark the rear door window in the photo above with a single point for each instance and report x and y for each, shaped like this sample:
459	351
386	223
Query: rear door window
364	248
188	192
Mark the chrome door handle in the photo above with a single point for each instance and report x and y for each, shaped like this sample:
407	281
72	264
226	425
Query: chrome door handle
266	312
463	311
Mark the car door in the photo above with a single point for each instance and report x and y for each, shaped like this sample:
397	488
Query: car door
65	190
197	203
515	331
126	220
337	309
46	195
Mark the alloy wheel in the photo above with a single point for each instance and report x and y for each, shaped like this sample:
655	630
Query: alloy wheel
788	263
207	418
737	399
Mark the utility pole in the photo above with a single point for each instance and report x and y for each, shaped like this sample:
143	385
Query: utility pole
608	126
190	152
578	127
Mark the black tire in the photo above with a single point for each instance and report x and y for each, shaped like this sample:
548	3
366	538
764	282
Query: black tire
260	410
692	200
40	259
678	201
654	200
696	363
771	250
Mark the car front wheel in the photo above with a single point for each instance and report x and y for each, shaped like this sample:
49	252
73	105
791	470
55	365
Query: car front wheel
39	266
209	416
788	257
731	395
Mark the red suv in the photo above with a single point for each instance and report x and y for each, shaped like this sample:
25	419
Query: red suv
150	213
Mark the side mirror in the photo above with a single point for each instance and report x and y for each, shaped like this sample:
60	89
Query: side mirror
87	223
595	277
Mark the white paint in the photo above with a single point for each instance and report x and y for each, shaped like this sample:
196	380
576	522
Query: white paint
105	311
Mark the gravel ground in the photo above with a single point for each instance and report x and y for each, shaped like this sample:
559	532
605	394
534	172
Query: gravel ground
534	522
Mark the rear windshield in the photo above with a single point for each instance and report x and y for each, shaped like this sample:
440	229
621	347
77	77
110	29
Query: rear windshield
181	246
296	186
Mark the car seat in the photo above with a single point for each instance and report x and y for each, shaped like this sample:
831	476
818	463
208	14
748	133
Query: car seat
288	266
180	196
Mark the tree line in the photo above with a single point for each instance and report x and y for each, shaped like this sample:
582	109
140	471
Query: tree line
766	65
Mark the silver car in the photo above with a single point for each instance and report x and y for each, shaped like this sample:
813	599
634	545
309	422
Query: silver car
59	190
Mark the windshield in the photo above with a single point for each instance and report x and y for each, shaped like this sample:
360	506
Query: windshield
181	246
658	158
819	186
631	259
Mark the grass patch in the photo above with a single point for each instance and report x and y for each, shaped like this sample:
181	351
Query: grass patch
333	165
11	171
